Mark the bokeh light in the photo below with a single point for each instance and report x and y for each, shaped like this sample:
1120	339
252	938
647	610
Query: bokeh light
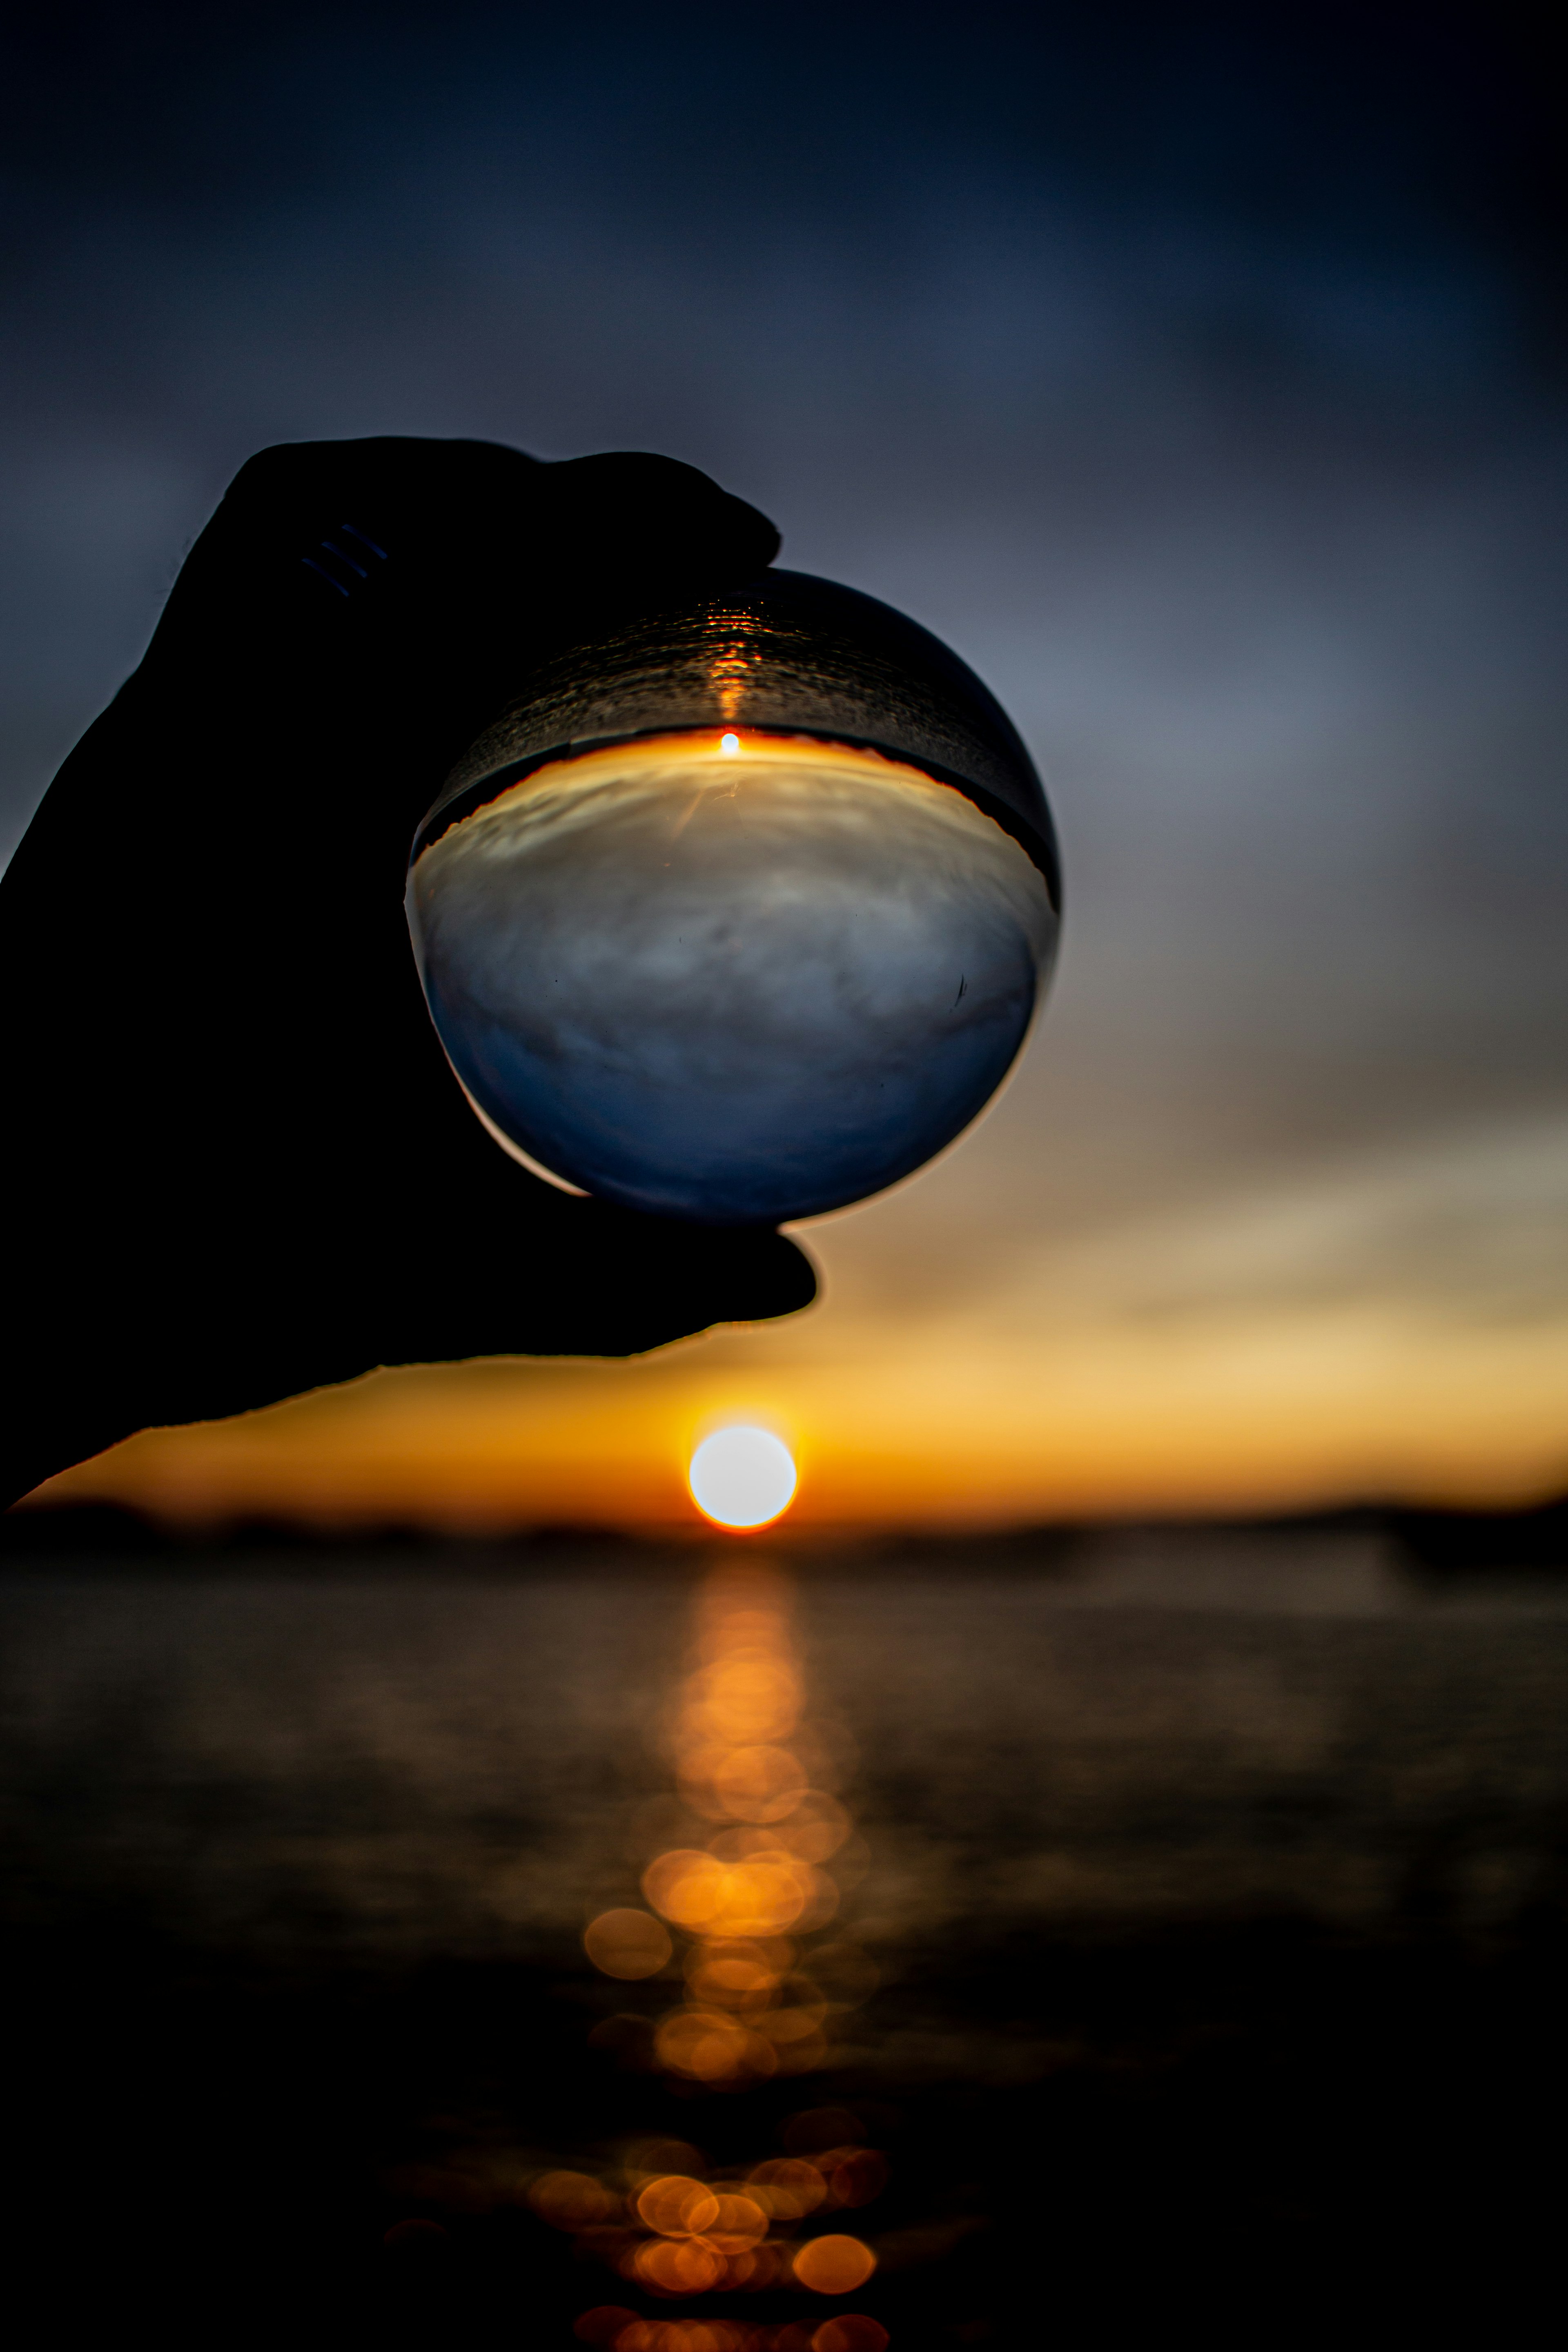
573	2202
751	1899
761	1998
852	2332
603	2323
834	2265
612	2326
741	1476
627	1944
677	2206
788	2186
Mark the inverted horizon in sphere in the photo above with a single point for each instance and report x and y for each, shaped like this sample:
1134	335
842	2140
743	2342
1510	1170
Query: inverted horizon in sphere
741	1476
737	984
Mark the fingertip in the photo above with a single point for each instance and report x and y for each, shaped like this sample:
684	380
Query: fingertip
785	1277
743	1274
641	1282
660	512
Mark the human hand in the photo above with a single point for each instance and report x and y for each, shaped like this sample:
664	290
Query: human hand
239	1165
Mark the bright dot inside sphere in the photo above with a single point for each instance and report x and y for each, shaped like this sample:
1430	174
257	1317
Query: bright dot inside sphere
741	1477
729	742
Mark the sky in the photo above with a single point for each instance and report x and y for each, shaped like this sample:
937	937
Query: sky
1203	383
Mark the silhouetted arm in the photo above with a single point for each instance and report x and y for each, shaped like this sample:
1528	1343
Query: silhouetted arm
238	1165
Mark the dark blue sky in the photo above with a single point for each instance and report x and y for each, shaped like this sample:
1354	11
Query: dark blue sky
1203	381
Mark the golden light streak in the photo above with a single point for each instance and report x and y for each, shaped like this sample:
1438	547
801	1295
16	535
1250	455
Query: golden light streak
757	2005
1246	1360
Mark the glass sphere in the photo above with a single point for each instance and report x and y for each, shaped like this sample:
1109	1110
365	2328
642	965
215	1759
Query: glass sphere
728	971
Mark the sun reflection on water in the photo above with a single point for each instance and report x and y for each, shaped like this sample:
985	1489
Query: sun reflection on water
747	1901
748	1911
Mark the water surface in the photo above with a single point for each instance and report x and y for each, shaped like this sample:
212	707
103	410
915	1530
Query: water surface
1214	1882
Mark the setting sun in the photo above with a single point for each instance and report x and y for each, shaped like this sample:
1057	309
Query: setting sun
742	1477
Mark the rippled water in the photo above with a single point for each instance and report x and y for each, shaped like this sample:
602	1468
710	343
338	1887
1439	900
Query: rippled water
1214	1882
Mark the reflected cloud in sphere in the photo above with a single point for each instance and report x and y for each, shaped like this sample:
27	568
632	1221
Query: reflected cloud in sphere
738	978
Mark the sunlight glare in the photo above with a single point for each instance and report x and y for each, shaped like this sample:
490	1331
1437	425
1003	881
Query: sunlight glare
729	742
741	1477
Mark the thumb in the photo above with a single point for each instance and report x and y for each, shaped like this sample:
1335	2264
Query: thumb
596	1280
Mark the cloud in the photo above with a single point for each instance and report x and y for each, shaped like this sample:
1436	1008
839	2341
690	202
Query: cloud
1458	1231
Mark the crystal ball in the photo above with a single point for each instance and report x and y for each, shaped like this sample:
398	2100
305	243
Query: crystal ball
727	975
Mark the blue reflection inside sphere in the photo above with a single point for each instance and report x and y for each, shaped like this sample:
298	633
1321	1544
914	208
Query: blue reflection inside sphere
740	979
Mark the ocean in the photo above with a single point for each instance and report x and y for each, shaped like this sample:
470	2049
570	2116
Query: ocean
1181	1943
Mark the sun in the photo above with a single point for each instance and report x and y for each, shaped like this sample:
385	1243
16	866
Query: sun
741	1476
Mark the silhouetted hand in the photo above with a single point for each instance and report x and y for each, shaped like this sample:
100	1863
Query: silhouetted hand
238	1165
